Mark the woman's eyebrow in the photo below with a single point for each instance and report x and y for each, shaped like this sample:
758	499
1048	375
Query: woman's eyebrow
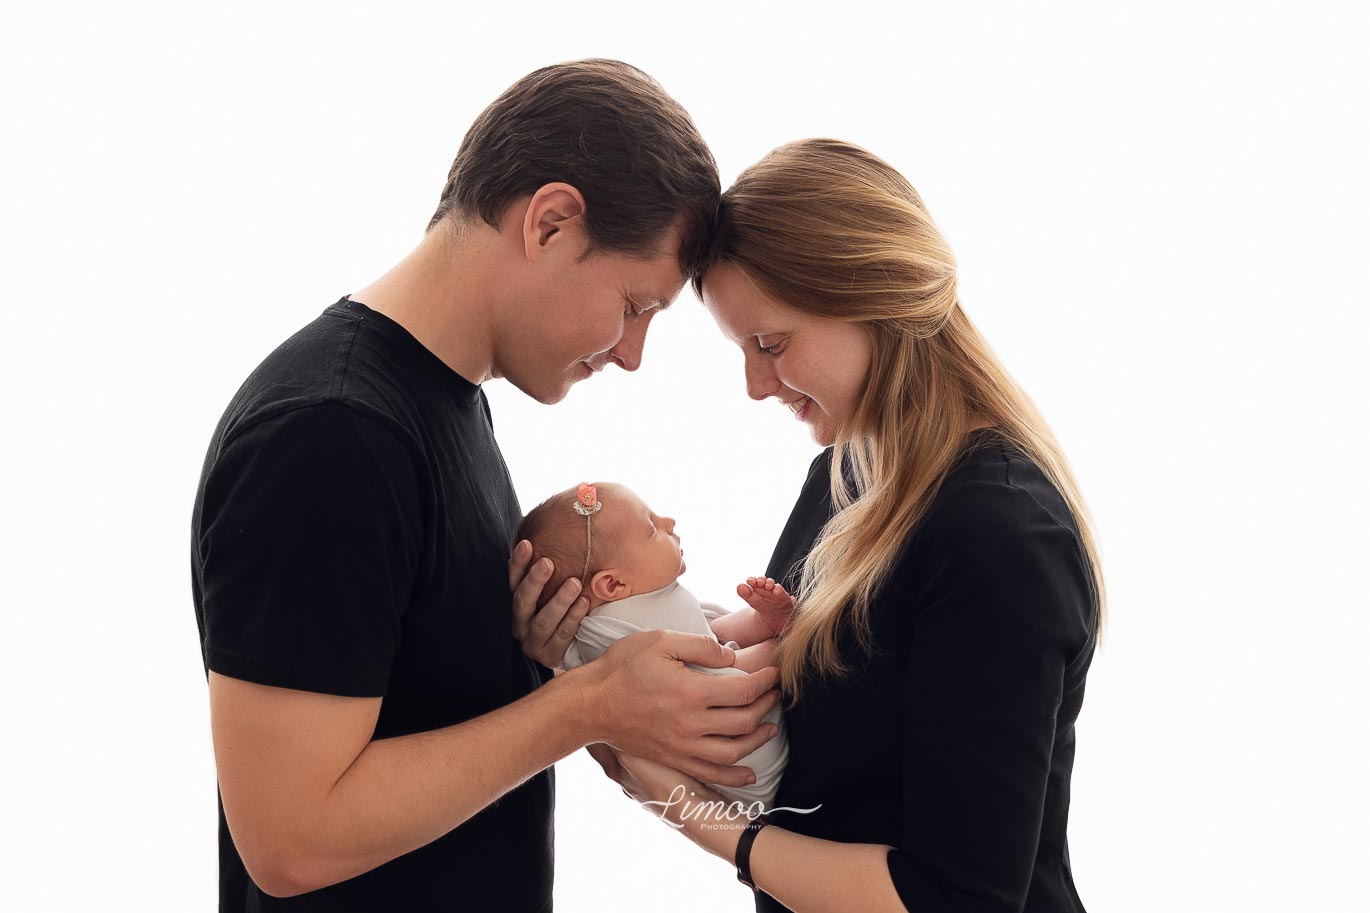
748	334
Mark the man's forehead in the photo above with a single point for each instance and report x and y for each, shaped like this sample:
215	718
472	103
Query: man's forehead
663	269
663	281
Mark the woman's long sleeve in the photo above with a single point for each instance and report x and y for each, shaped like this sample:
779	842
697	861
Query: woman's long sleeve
1000	622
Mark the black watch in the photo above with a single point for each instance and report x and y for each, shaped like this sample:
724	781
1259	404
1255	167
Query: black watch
743	857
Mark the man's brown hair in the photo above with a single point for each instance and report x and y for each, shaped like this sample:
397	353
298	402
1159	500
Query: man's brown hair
607	129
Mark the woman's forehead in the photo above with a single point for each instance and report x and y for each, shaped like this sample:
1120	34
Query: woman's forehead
740	308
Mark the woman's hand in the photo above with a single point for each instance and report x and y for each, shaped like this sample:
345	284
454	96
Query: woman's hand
773	606
545	633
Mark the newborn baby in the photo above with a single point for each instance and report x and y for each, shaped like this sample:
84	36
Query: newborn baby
629	561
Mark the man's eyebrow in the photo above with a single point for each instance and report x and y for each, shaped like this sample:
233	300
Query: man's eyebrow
651	304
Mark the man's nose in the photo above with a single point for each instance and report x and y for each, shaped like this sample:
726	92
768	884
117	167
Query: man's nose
628	352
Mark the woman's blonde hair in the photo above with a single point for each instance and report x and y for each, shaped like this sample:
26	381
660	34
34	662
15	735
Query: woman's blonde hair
829	229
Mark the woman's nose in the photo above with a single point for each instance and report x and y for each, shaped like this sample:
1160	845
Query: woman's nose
760	381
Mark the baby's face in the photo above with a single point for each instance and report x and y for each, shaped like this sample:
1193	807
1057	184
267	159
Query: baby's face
649	555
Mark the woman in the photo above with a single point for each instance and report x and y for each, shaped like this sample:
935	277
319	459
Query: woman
949	592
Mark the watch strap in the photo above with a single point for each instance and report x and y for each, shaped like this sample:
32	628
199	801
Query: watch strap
743	857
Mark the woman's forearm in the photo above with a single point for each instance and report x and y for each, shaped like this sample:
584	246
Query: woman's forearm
810	875
807	874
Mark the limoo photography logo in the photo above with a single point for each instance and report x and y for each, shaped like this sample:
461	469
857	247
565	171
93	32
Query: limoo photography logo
713	812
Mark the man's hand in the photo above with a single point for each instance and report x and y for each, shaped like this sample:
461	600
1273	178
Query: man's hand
769	600
545	633
646	702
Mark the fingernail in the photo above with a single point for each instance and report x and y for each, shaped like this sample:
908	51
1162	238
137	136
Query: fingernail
575	585
545	564
751	779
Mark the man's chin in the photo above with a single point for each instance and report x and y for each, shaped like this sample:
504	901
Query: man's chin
555	397
547	395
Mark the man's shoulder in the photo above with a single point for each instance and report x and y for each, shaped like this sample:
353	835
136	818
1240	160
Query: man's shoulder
326	372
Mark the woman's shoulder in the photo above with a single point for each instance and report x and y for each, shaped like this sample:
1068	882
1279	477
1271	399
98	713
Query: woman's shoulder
999	528
995	494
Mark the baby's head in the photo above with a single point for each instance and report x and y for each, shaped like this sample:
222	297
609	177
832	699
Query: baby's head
632	550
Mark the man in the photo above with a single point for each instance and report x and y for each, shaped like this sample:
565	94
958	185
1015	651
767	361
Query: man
381	740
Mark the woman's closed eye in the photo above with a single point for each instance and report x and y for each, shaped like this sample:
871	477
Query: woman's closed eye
770	351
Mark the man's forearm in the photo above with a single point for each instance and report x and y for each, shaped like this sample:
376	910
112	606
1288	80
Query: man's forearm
405	792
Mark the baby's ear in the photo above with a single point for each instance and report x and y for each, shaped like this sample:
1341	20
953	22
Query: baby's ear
607	587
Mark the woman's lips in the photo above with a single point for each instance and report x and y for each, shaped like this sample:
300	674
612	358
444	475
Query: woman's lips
800	407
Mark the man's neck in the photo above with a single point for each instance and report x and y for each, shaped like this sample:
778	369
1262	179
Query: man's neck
436	293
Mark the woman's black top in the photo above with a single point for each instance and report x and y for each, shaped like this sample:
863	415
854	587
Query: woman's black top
954	743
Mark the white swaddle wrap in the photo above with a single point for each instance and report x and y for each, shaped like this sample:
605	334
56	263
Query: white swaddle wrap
675	608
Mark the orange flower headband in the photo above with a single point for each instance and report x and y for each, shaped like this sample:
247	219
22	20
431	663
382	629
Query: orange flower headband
586	504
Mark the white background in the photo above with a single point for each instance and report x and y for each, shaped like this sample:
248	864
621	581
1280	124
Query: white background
1160	217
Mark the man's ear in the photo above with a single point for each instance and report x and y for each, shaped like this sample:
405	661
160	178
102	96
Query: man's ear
607	586
554	215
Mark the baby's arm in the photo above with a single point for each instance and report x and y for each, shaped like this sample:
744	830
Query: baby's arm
756	657
742	626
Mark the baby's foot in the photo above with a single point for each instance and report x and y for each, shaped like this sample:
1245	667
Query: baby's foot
770	601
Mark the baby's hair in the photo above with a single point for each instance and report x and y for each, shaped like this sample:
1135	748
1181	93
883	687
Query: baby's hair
558	532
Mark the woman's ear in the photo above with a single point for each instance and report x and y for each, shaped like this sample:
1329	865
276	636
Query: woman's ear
607	587
552	210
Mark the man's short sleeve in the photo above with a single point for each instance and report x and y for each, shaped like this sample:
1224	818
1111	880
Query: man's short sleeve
309	543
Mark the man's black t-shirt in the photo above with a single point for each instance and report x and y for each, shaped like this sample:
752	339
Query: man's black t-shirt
954	742
351	533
